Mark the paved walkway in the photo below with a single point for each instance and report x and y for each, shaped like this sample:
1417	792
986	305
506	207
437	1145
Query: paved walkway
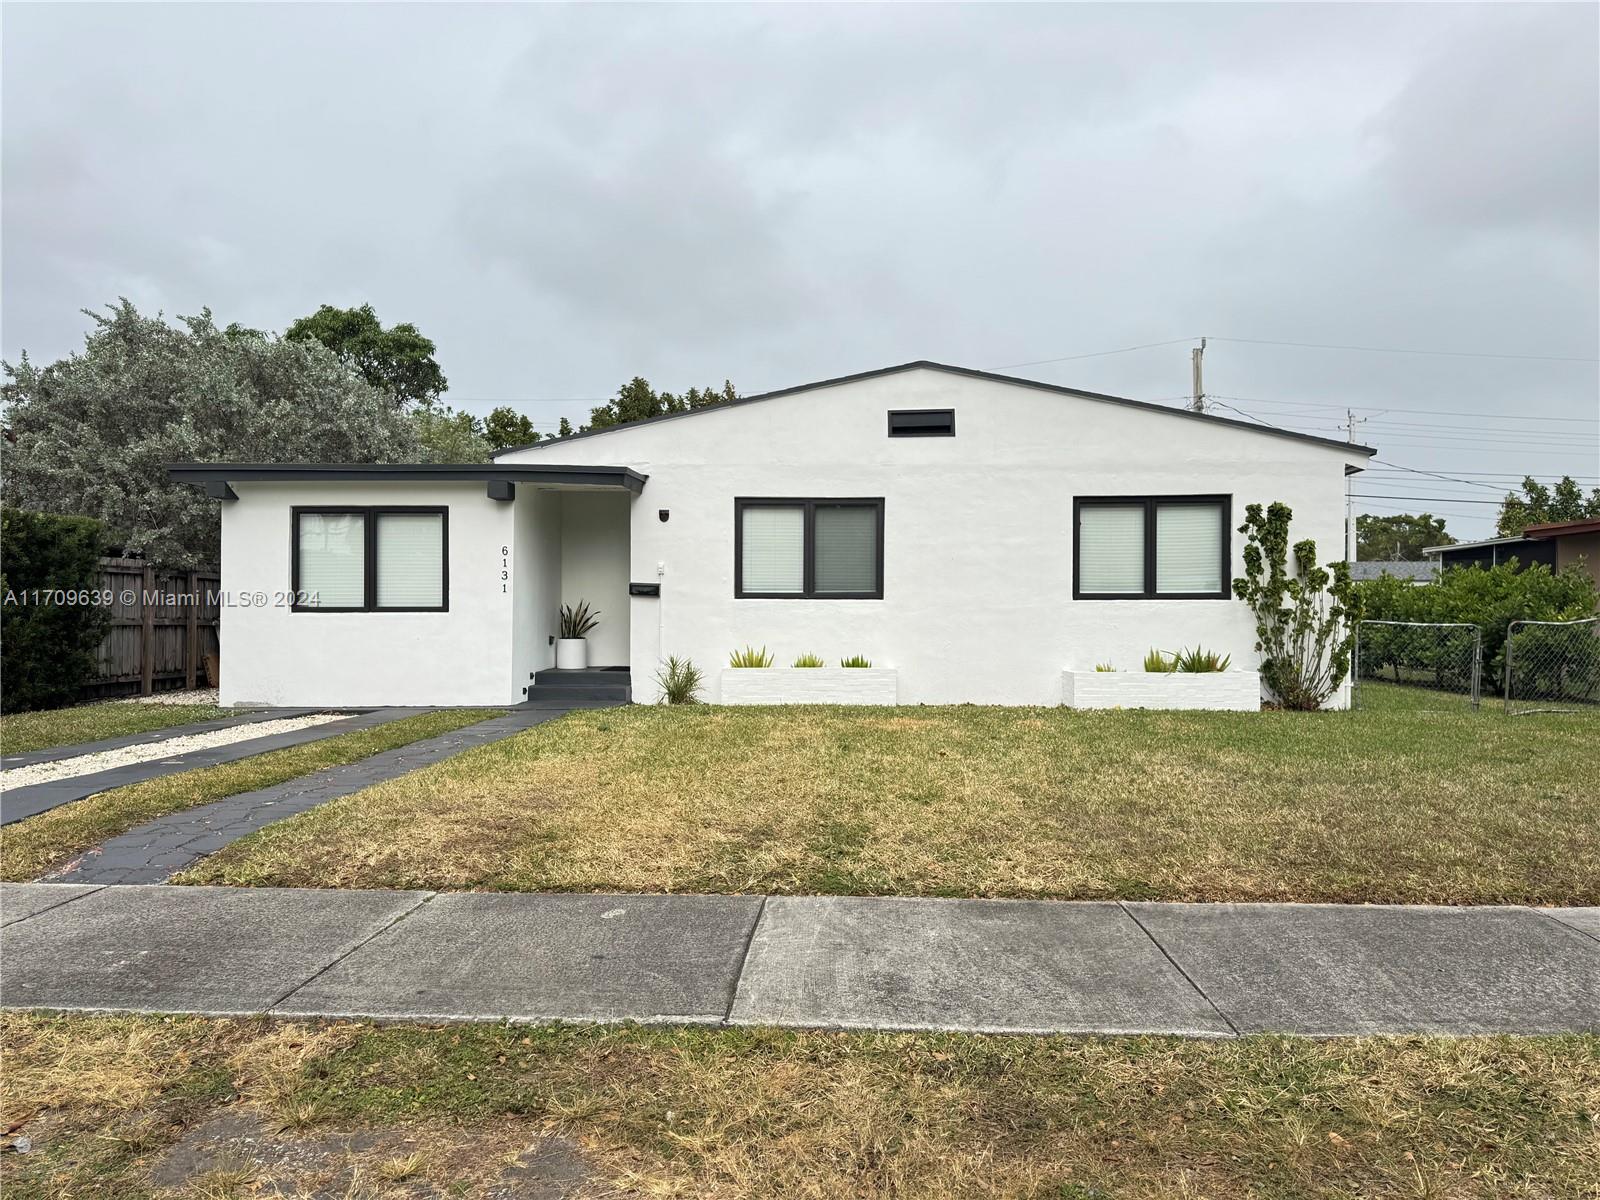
1007	966
17	803
154	851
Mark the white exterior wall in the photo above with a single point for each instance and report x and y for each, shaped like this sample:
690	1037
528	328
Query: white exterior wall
535	583
273	655
977	529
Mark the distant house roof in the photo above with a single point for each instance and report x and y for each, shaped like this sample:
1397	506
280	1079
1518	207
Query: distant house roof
1421	571
1503	541
969	372
1551	529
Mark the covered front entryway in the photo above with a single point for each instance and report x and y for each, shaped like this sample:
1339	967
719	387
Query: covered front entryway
572	547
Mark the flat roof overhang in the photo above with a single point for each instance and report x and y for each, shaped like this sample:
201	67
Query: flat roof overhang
501	479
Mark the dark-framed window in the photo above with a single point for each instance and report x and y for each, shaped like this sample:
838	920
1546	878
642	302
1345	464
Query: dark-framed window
922	422
1152	547
806	549
372	558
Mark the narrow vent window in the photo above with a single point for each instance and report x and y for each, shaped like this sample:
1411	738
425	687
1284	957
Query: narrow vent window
922	422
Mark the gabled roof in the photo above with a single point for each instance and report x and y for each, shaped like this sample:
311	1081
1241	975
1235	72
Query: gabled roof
925	365
1497	541
1399	569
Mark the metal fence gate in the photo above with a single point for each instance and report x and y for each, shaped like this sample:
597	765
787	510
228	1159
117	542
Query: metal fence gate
1552	666
1417	666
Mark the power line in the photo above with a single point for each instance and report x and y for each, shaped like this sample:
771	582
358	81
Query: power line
1398	350
1446	499
1431	412
1041	362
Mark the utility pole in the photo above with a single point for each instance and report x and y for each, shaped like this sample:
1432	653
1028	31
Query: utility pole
1350	423
1198	403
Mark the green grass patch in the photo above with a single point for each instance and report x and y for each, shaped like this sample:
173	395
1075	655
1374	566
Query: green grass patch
1394	805
21	732
38	844
771	1113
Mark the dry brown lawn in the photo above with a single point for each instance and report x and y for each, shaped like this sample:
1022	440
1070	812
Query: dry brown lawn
970	801
220	1109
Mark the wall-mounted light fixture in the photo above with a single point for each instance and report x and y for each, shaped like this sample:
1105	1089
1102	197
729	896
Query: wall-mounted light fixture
663	514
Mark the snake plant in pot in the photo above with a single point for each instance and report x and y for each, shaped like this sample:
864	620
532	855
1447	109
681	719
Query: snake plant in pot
572	647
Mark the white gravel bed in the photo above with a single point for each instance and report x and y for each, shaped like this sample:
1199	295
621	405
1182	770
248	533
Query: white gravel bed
191	696
88	764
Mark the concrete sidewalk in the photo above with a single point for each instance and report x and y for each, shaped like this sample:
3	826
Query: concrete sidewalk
1004	966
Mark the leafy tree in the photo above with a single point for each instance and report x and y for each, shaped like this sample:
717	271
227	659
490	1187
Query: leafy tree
1538	504
564	429
1400	537
636	400
47	649
1305	619
92	434
447	436
397	360
505	427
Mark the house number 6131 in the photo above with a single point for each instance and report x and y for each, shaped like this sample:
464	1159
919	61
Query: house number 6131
505	568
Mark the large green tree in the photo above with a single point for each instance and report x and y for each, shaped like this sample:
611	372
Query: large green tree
1538	504
636	400
1398	537
92	434
397	360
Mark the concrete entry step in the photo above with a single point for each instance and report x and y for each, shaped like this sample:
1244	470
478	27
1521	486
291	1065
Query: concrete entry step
603	685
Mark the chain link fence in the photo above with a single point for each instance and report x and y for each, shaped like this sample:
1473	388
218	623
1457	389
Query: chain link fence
1552	666
1417	667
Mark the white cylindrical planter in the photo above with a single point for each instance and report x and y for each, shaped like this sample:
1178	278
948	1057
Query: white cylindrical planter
572	654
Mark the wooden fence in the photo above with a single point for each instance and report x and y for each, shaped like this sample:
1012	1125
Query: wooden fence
163	628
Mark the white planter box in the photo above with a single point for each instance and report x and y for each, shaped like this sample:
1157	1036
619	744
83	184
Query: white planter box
810	685
1232	691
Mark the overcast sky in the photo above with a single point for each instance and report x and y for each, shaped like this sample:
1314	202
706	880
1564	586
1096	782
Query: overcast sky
566	197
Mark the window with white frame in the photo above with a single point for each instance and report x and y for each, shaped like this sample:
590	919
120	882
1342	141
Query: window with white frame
1151	547
808	549
393	559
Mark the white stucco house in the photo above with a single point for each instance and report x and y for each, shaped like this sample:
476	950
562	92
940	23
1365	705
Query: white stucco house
974	535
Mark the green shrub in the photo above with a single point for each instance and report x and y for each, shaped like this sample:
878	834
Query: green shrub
679	680
1488	597
1104	668
809	660
1160	662
749	657
48	648
855	660
1200	661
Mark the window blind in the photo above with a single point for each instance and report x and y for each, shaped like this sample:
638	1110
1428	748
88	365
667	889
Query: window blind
774	549
1188	548
332	567
846	548
1111	548
410	560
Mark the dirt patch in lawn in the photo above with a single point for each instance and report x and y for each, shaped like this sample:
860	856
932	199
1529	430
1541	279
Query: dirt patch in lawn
1399	807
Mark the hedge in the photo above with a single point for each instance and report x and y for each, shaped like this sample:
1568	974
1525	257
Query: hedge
47	649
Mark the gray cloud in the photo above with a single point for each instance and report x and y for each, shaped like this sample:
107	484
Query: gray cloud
566	196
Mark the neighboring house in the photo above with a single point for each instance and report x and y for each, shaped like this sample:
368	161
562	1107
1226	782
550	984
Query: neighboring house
973	532
1558	545
1416	572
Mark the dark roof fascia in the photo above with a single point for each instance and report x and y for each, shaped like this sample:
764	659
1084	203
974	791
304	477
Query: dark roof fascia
555	473
971	373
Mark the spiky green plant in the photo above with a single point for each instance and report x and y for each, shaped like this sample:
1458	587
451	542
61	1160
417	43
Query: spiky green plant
1104	667
679	680
1160	661
855	660
1200	660
576	622
750	657
810	660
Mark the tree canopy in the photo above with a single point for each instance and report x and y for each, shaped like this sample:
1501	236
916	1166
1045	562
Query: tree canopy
1538	505
636	400
1400	537
92	433
397	360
